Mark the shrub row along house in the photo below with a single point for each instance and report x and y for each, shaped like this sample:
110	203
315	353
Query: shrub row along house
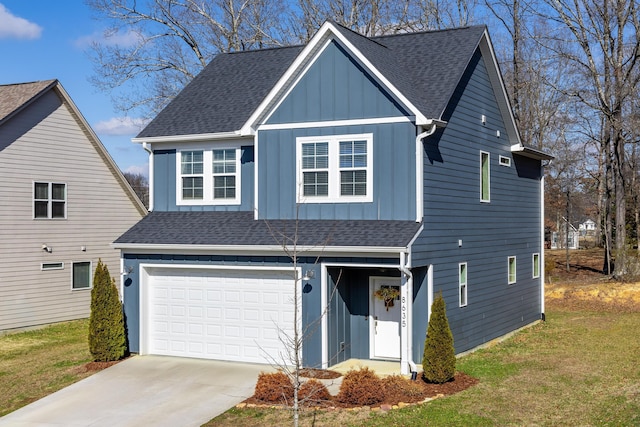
63	201
385	162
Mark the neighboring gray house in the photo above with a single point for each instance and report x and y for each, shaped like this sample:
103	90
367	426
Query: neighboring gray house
62	203
385	162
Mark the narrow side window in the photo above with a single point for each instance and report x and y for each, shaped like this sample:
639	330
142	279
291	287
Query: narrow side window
536	266
485	188
462	281
512	270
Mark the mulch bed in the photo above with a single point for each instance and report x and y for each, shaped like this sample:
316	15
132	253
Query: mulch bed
460	383
96	366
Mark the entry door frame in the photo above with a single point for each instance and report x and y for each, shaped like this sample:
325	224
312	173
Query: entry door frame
397	309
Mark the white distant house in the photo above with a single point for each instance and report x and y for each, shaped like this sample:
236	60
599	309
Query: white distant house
588	225
63	201
560	240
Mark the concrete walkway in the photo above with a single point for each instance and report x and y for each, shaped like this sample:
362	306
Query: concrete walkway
144	391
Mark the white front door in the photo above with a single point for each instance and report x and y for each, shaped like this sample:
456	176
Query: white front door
384	320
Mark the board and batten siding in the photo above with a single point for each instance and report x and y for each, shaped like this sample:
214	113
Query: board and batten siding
48	144
393	175
459	228
335	87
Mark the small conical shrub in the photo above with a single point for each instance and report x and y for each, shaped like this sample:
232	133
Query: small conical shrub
439	360
106	324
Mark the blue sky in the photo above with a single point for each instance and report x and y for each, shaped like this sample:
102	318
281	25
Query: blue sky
44	39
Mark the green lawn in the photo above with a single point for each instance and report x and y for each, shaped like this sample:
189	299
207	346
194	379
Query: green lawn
577	368
36	363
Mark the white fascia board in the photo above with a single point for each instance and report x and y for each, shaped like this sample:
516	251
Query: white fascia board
499	88
261	250
530	152
326	32
189	138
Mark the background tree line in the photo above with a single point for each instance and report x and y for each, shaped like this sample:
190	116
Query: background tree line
570	68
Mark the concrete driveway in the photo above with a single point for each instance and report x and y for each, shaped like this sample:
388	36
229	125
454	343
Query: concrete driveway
144	391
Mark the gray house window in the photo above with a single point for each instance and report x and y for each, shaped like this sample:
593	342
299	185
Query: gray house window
81	275
49	200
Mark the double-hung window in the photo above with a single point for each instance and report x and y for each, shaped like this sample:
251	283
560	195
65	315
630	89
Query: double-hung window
208	176
315	169
334	169
49	200
224	174
192	172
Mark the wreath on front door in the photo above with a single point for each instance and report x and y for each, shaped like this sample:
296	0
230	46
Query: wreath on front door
387	294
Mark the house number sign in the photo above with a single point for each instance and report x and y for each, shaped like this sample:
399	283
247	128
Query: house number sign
403	309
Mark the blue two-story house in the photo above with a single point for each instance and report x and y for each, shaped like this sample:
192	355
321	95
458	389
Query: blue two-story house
289	185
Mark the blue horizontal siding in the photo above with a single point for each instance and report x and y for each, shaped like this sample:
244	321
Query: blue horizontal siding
490	232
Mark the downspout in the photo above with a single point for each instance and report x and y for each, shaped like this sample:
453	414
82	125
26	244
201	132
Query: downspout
404	268
147	147
420	172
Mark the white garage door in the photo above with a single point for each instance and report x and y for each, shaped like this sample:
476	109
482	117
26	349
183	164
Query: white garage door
236	315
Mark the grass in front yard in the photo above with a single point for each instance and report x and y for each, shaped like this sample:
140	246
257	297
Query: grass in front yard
577	368
36	363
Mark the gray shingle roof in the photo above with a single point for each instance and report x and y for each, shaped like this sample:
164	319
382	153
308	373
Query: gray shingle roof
239	228
425	67
15	96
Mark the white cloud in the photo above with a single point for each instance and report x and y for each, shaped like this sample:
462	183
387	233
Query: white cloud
110	38
14	27
138	169
120	126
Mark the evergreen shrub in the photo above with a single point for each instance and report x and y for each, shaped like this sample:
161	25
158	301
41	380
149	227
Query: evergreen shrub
107	341
439	359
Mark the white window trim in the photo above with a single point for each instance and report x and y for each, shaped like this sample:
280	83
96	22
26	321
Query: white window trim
462	286
488	199
90	275
207	175
49	201
334	169
515	270
533	265
46	266
505	161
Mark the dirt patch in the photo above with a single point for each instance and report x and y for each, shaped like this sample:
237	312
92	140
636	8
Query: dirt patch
95	366
320	374
584	286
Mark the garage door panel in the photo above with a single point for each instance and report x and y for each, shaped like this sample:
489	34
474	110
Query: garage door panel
219	314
